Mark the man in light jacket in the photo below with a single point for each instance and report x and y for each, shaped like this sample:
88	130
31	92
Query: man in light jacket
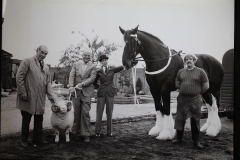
33	84
82	76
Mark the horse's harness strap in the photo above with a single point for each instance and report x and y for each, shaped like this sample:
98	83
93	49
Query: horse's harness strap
137	58
135	46
161	70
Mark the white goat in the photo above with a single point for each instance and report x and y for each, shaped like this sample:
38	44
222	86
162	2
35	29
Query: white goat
62	117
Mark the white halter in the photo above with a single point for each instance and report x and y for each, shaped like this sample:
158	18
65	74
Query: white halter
161	70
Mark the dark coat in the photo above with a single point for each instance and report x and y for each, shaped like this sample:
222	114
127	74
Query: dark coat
106	81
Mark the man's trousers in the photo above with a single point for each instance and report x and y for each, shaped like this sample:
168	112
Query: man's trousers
37	130
101	101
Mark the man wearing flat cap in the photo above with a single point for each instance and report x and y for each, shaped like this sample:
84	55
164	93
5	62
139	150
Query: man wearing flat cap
191	82
105	94
81	77
33	84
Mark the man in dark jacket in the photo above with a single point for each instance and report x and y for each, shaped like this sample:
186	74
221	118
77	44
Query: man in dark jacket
105	94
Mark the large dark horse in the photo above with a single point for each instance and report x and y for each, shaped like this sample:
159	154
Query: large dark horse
162	66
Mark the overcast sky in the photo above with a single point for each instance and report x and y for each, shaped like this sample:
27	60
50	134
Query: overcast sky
193	26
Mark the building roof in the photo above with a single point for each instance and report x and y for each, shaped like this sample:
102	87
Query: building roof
5	53
16	61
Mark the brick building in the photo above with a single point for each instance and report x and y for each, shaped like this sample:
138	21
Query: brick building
6	71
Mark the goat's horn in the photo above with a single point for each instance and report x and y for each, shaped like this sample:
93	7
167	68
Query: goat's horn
55	108
69	106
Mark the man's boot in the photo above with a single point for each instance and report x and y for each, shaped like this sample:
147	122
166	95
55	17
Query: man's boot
179	137
195	134
196	141
77	136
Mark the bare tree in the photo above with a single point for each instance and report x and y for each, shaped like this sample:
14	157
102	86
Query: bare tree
74	53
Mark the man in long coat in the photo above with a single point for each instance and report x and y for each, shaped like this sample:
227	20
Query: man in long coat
33	84
82	76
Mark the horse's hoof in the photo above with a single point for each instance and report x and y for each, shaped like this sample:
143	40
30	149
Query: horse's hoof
164	138
210	135
67	140
213	131
154	131
165	135
204	127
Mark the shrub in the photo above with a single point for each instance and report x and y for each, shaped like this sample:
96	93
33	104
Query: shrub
138	85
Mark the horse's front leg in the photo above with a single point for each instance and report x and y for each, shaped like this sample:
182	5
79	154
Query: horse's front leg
159	116
168	131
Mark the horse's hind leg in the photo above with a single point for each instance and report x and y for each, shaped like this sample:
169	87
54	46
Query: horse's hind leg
207	98
213	123
159	116
217	96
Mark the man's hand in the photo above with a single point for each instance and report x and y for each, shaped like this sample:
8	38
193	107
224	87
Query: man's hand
134	63
71	89
52	101
23	96
79	86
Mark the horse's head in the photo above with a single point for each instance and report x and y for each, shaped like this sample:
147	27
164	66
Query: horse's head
131	47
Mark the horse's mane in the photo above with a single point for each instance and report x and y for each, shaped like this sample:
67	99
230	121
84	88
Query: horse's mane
154	37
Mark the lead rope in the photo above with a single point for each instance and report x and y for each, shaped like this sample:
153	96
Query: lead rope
134	72
71	94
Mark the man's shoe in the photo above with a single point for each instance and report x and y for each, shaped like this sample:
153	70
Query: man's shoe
176	141
24	144
109	134
86	139
98	135
198	146
40	142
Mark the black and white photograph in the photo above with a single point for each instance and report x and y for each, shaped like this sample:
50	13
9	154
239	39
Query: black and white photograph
122	79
